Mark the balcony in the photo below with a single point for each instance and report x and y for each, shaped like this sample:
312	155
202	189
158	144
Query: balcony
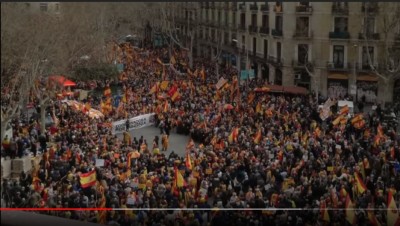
278	9
301	64
207	6
371	36
253	29
242	7
340	9
265	8
242	27
234	6
339	35
253	7
264	30
338	67
276	61
277	33
302	34
303	9
365	67
370	7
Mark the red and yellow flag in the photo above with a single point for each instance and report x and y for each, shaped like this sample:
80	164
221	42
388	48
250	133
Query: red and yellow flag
179	180
203	74
176	96
188	161
233	136
166	108
88	179
356	118
257	137
337	120
164	85
155	88
350	214
258	108
250	98
361	188
344	110
392	212
107	91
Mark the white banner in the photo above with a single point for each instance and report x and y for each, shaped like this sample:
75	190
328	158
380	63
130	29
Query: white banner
134	123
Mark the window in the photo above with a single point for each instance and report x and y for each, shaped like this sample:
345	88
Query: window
278	7
219	16
243	42
254	19
340	24
278	51
338	56
234	18
278	23
365	62
341	4
226	38
265	48
254	45
302	25
303	3
226	18
43	6
242	19
265	21
278	77
302	54
369	25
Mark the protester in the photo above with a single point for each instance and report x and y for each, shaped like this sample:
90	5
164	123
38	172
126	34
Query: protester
269	150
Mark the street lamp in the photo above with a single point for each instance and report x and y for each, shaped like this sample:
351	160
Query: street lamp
353	87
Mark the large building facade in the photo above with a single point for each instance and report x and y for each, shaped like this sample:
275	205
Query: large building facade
286	42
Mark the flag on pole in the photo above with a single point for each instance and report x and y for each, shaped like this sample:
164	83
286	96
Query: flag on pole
188	161
88	179
233	136
392	212
361	188
350	214
257	137
344	110
179	180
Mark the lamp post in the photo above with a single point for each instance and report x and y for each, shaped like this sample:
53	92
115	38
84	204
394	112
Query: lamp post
353	87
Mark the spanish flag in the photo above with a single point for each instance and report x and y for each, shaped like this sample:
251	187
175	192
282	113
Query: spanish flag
258	108
233	136
165	106
36	183
344	110
324	212
392	212
203	74
317	132
88	179
179	180
164	85
188	161
380	131
250	98
102	215
350	214
107	91
337	120
361	188
172	91
159	61
176	96
356	118
155	88
360	124
372	218
257	137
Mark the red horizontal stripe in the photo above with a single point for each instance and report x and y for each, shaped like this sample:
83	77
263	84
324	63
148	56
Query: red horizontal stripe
55	209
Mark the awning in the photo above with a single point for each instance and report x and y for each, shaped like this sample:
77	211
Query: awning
367	77
62	80
295	90
342	76
274	88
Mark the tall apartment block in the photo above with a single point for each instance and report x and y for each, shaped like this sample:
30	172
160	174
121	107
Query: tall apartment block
286	42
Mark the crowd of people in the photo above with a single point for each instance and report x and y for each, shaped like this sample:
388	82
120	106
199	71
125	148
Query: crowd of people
248	150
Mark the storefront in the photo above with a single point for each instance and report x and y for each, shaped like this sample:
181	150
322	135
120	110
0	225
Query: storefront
396	91
338	85
367	88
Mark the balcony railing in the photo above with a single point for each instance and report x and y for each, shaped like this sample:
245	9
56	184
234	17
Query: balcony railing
275	60
372	36
277	33
302	34
364	67
339	35
301	64
242	27
265	8
253	29
264	30
340	9
253	7
304	9
370	7
339	67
